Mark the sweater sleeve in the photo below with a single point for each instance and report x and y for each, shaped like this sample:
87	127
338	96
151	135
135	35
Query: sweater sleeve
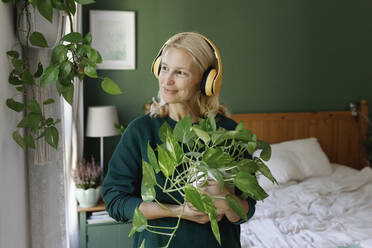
121	188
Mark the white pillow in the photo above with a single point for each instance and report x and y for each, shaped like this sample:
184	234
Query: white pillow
313	160
283	166
295	160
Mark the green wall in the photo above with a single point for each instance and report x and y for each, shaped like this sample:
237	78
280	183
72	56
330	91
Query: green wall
278	55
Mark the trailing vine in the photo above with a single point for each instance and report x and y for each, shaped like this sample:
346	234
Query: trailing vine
72	58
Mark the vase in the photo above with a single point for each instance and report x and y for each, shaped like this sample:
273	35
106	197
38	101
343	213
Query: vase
88	198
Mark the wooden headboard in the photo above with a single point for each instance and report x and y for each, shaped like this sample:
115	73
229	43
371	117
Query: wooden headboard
339	133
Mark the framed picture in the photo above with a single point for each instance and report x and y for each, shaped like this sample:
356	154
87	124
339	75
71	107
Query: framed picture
113	35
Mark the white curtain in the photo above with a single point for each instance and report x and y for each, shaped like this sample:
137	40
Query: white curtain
73	118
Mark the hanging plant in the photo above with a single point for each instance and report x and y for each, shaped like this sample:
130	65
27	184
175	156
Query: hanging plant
72	57
190	156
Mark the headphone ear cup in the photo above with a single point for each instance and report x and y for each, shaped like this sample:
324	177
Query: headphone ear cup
208	81
156	66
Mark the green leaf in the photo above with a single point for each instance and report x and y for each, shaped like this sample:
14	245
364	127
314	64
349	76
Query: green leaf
58	4
265	170
217	175
34	106
235	205
99	58
182	130
212	213
27	77
164	128
51	136
247	183
247	165
143	244
240	127
217	158
85	1
13	54
266	150
39	71
148	193
17	63
19	140
139	222
71	6
14	80
92	55
33	3
21	89
193	196
68	93
29	141
166	163
33	120
59	54
48	101
212	121
16	106
49	121
215	228
38	39
73	37
148	175
46	9
65	68
202	135
22	123
173	147
251	147
88	39
152	158
90	71
50	76
110	87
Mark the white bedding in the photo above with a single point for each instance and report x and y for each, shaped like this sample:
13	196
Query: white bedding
332	211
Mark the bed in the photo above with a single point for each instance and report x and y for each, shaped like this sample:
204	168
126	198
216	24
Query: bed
324	195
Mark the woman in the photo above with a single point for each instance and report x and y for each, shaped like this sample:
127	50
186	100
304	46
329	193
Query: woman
188	68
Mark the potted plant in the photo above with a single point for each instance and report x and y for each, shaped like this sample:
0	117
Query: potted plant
200	153
88	179
72	57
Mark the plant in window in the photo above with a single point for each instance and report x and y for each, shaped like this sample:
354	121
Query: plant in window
202	152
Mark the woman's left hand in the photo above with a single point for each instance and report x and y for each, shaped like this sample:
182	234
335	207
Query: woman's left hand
213	189
218	195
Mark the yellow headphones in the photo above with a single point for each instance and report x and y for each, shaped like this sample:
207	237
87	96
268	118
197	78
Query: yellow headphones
212	77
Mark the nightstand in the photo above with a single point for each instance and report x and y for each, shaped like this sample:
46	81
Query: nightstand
98	235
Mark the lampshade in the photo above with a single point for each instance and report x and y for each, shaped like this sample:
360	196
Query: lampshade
101	121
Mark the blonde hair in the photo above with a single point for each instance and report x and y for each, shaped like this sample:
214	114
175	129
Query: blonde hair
203	56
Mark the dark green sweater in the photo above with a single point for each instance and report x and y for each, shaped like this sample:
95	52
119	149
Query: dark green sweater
122	190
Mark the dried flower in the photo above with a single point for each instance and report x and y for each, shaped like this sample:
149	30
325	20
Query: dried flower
87	174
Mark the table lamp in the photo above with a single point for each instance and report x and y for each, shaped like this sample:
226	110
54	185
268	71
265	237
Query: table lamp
101	122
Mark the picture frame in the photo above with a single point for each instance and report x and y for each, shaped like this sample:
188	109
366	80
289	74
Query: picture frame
113	35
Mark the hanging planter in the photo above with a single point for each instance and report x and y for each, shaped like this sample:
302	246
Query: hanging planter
40	24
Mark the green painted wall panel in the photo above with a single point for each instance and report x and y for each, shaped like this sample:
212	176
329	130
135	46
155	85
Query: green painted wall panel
278	55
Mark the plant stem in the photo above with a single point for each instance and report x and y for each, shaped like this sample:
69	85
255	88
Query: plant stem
161	227
161	233
178	223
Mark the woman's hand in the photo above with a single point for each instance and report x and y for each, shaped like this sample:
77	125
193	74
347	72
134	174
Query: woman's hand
218	195
192	214
213	189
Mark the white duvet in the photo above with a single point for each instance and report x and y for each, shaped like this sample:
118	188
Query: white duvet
332	211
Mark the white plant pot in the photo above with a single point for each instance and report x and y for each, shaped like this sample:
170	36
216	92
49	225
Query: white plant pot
88	198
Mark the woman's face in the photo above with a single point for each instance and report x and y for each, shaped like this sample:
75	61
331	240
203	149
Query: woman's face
179	77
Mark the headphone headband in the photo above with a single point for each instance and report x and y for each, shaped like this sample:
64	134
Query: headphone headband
212	77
